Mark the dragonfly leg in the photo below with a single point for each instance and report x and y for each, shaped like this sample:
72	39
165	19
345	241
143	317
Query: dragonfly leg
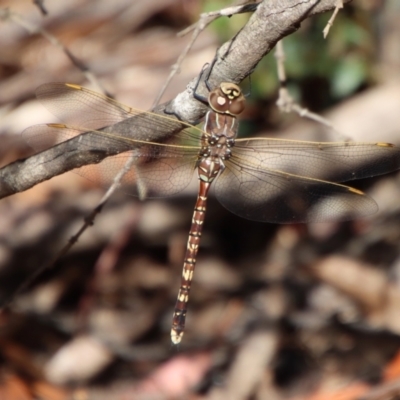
197	96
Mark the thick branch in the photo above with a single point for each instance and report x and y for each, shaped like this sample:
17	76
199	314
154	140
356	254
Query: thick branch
236	59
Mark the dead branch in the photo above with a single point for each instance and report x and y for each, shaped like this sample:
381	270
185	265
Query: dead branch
235	60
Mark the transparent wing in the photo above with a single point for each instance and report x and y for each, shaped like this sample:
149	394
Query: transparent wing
118	132
267	195
160	169
78	106
339	162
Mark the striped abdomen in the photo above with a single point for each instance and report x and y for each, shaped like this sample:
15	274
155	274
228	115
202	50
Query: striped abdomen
178	320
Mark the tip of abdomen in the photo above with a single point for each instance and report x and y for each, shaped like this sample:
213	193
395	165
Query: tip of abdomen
176	336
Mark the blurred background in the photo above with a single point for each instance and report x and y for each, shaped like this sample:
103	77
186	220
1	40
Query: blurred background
276	311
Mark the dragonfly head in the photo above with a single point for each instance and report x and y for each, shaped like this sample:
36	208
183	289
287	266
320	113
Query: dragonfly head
227	99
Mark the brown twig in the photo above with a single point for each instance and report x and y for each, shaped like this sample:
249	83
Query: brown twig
339	5
204	20
105	264
6	14
41	7
285	101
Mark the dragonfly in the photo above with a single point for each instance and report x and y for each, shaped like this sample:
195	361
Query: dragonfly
262	179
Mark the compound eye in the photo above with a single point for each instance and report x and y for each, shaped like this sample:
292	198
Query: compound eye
237	105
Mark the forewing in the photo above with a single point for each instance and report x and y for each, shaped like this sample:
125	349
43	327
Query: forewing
79	106
338	162
268	195
84	108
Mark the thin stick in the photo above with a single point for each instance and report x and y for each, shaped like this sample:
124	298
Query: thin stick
227	12
339	5
6	14
285	101
204	20
40	5
104	265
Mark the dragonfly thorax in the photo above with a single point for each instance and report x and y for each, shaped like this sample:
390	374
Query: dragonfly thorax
220	130
215	150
